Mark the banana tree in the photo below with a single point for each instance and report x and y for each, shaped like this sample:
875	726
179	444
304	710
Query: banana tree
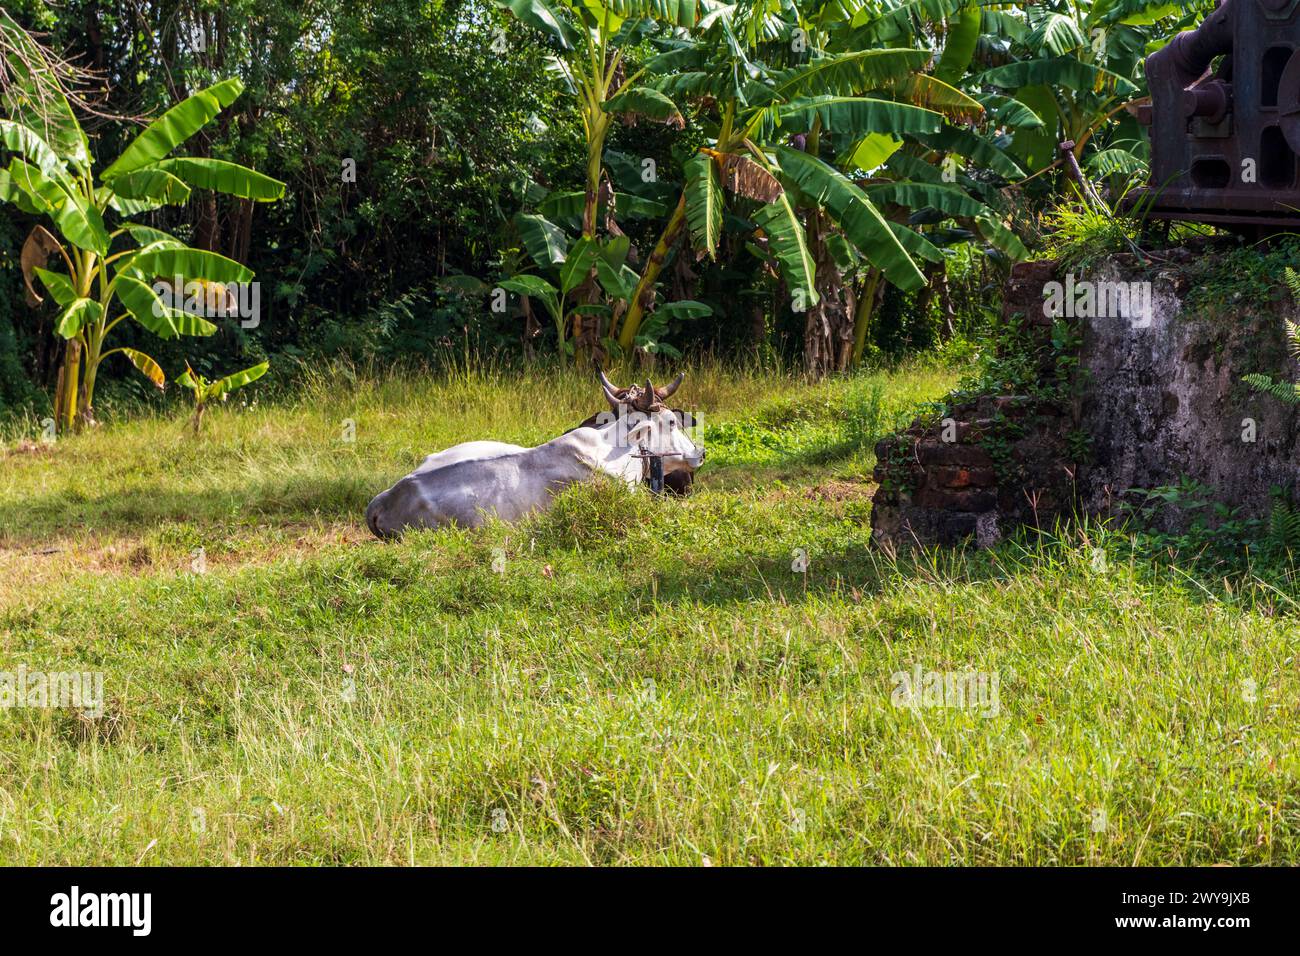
767	125
205	392
943	184
592	37
1076	65
112	274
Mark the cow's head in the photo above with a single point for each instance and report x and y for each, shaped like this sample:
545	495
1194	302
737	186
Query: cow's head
641	398
655	428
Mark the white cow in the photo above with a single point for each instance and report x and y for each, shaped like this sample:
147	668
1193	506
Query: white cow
471	482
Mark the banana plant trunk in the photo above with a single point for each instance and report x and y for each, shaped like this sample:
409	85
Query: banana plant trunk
85	410
868	300
586	328
829	327
644	296
66	402
591	197
946	309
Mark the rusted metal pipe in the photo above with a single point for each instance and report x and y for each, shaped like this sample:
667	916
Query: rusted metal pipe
1188	55
1224	119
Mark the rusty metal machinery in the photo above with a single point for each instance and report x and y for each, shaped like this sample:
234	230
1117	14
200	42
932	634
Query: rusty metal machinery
1224	119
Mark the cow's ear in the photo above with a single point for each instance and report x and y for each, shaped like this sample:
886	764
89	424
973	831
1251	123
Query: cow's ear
641	428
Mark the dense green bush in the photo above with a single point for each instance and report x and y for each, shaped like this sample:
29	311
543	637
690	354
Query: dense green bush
16	380
411	134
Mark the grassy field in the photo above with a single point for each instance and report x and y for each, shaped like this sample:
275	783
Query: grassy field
623	680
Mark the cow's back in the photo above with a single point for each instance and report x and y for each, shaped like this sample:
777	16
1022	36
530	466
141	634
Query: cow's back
469	491
467	451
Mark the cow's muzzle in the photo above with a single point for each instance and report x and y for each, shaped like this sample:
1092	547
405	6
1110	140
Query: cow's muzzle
373	513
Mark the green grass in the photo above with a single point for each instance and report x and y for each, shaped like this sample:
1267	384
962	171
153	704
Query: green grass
648	681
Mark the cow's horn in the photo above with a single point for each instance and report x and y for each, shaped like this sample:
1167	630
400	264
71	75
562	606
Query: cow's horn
648	396
671	387
605	382
613	395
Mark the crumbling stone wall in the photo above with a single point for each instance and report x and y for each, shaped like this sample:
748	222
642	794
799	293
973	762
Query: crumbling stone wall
991	462
1167	401
1156	397
989	465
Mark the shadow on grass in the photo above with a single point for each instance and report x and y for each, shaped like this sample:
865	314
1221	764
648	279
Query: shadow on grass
863	573
856	573
140	508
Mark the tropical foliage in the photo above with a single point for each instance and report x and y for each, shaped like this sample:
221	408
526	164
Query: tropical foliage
1288	392
106	274
849	146
610	178
205	392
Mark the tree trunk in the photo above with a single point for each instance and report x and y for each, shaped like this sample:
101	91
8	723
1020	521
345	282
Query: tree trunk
868	301
94	37
828	329
586	328
241	233
531	328
207	232
58	398
945	303
207	224
85	412
644	296
757	328
591	196
69	381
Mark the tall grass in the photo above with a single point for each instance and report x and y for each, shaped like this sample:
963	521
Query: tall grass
621	680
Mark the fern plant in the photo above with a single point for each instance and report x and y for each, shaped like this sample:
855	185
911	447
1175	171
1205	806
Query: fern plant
1211	533
1288	392
1283	525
